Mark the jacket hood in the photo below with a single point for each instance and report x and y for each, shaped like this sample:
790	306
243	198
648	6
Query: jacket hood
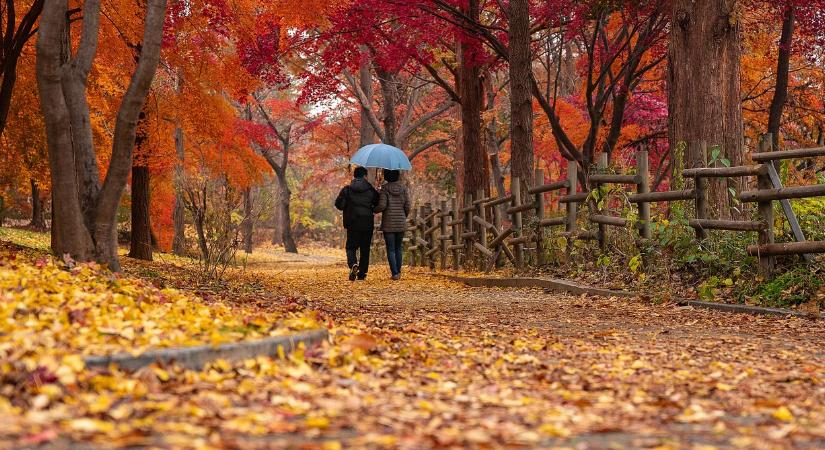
394	188
360	185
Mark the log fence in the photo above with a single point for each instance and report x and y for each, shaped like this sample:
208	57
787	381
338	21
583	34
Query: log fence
485	232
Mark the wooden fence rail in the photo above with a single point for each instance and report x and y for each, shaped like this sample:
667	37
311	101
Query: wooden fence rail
486	231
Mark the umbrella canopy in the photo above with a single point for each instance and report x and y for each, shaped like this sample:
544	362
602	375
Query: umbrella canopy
382	156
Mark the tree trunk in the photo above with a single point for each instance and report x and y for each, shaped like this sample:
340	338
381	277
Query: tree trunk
704	86
277	222
179	211
141	241
246	228
38	221
521	98
71	153
14	42
69	233
283	214
476	171
491	138
780	95
389	93
366	132
458	156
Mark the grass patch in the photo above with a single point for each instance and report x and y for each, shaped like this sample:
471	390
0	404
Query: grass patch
791	288
26	238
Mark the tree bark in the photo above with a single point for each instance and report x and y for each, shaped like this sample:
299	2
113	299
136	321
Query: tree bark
277	222
283	214
704	86
780	94
476	171
141	241
246	229
366	132
521	99
389	93
38	221
69	232
492	142
72	157
123	140
178	211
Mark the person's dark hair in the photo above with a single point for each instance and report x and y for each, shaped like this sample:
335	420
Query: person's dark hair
360	172
392	175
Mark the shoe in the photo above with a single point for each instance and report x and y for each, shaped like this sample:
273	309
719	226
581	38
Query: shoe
362	278
353	272
396	277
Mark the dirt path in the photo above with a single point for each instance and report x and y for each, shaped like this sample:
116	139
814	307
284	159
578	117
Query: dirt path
455	366
426	363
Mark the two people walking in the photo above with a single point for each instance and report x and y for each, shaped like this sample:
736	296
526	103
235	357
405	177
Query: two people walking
359	201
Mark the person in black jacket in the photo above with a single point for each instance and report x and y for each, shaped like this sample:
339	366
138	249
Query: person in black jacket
358	201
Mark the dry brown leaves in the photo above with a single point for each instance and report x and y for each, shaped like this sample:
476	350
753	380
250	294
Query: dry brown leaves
425	363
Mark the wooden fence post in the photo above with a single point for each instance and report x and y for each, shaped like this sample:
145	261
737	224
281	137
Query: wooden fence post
444	233
497	224
572	207
539	202
468	229
414	237
602	233
515	189
456	242
482	214
699	159
422	212
431	228
766	263
643	188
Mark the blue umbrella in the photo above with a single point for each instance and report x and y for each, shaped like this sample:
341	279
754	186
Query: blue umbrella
382	156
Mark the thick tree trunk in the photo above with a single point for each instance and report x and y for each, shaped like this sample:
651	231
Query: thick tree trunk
521	98
285	196
69	233
704	86
38	221
780	95
178	211
71	152
366	132
476	171
141	241
123	140
246	228
389	93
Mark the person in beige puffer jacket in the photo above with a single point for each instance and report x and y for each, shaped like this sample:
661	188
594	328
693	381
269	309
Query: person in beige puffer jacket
394	206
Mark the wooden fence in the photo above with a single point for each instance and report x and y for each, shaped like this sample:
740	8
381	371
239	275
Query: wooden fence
487	232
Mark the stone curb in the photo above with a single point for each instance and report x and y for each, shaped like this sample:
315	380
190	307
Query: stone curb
570	287
197	357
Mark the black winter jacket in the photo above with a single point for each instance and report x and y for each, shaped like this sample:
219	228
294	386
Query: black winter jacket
358	201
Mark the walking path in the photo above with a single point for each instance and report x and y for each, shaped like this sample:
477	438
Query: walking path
424	362
451	366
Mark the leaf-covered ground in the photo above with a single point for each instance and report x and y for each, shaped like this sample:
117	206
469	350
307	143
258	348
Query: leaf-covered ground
426	363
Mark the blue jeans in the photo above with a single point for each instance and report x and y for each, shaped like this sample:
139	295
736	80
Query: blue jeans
395	250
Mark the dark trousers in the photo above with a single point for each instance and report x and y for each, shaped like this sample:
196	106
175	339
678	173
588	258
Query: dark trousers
395	251
359	240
